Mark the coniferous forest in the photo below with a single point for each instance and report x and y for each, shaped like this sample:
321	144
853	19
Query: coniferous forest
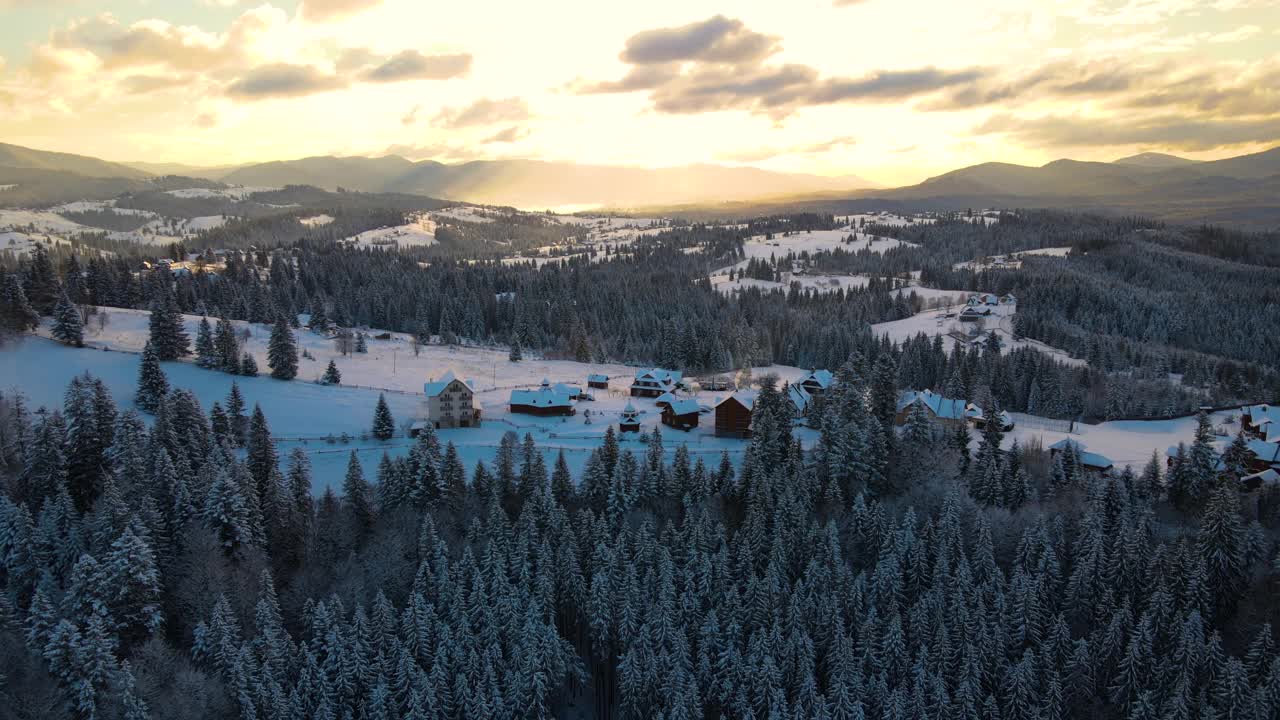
175	565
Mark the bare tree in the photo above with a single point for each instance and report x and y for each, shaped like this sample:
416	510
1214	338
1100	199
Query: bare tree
345	342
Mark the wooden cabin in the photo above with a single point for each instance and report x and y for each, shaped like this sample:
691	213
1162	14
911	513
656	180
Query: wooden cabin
655	381
630	421
598	381
733	415
546	400
1088	460
682	414
817	381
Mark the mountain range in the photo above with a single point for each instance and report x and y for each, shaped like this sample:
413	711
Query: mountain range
1237	191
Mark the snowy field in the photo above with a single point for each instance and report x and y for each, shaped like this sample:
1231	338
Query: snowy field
1124	442
467	213
42	221
419	231
821	283
316	220
20	243
932	322
239	192
7	187
304	414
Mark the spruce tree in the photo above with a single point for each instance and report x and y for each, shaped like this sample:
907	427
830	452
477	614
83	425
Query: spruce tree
355	490
67	326
384	426
516	354
226	347
249	366
153	386
331	375
16	312
282	352
168	335
206	351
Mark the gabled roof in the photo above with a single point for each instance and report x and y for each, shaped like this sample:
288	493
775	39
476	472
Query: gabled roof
630	409
1265	451
1263	414
685	406
660	376
1089	459
822	377
666	397
943	407
597	377
798	396
545	396
1270	475
432	388
745	398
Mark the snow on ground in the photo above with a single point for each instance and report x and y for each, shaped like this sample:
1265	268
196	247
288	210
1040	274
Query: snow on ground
238	192
934	297
935	322
1124	442
21	243
821	283
7	187
419	231
466	213
42	221
303	409
1050	251
884	218
317	220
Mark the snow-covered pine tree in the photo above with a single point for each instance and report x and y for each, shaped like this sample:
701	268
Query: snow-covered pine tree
516	354
384	425
67	326
332	376
168	335
282	352
355	491
249	366
226	347
16	312
362	344
206	351
153	386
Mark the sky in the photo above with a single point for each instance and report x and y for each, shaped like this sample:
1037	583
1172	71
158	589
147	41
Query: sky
891	90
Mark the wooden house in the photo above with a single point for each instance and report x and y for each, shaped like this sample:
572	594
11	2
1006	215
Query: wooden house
682	414
630	420
1260	421
733	415
598	381
1088	460
817	381
799	397
546	400
451	402
655	381
944	410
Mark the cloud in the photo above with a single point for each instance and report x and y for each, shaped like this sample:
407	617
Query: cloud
142	84
411	117
206	120
1243	32
413	65
719	64
483	112
765	153
848	3
511	134
718	39
319	11
283	80
1167	131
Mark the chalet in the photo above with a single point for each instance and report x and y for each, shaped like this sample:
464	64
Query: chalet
978	417
1266	455
983	300
1258	479
682	414
974	313
1260	421
817	381
451	402
665	399
598	381
945	410
630	421
1088	460
655	381
799	397
733	415
546	400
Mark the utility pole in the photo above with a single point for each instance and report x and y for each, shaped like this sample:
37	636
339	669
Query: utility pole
393	359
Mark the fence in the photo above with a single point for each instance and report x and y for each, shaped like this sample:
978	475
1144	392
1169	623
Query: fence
1042	423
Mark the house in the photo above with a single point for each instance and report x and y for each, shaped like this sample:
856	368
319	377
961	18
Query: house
733	414
598	381
1258	479
682	414
546	400
451	402
1009	299
983	300
799	397
1089	460
630	421
655	381
665	399
974	313
1260	420
1266	455
817	381
978	417
947	411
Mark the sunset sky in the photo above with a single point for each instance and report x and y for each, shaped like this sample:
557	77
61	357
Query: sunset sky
890	90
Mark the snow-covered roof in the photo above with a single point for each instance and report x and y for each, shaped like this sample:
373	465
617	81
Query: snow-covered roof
432	388
1090	459
943	407
798	396
629	409
659	375
1265	451
666	397
545	396
746	398
822	377
685	406
1263	414
1266	476
597	377
418	425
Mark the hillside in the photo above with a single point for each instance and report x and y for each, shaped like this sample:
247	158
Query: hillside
1155	161
16	156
